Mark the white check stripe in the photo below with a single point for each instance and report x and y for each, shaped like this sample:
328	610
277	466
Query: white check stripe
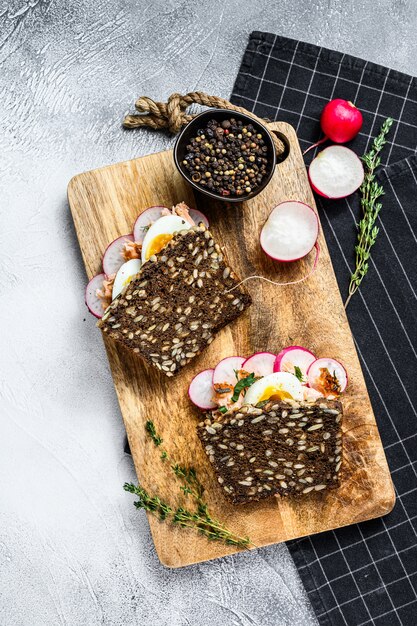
331	95
347	80
398	469
288	75
377	569
396	443
358	542
406	488
362	567
411	170
400	116
317	560
407	493
402	209
371	134
263	75
307	93
395	370
402	606
367	593
360	85
396	432
385	289
353	578
326	99
381	223
317	119
375	385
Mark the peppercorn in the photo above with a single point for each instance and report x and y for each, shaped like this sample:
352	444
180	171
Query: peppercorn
218	156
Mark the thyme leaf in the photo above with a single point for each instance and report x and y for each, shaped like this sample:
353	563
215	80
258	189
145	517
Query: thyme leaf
199	520
150	429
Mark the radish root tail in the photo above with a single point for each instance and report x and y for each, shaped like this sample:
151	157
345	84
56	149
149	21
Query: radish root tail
318	143
291	282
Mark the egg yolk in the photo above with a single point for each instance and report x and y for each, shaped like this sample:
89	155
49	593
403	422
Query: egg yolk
127	280
274	393
157	244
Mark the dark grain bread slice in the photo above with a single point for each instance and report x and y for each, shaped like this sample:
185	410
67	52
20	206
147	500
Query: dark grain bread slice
178	301
282	448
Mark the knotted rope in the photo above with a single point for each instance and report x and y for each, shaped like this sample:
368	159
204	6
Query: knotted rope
172	114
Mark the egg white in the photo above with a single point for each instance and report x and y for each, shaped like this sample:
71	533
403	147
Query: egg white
125	275
275	383
166	225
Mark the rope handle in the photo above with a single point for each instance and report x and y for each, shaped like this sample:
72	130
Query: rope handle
172	114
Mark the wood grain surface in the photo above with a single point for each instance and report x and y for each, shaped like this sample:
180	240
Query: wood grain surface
104	204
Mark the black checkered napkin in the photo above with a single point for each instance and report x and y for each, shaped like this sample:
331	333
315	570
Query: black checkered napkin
363	574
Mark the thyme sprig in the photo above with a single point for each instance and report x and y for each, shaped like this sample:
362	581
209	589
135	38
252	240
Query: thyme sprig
200	519
187	475
370	192
150	429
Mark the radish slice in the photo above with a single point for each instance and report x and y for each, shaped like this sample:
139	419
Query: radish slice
260	363
94	303
224	372
148	216
336	172
327	376
292	357
112	259
201	390
144	220
290	231
198	217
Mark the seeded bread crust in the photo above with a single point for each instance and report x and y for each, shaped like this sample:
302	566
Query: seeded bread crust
285	449
177	302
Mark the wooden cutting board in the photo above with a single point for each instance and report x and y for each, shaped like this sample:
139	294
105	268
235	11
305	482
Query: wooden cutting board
104	204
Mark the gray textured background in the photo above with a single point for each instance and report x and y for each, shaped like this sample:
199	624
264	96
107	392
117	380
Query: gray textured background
72	548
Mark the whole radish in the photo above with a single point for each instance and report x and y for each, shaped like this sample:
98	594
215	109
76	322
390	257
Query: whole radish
340	122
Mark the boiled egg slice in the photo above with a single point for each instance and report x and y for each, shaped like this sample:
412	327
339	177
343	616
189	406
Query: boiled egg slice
277	386
160	233
125	275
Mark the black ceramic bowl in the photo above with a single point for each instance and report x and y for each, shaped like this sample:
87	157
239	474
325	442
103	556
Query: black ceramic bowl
200	121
